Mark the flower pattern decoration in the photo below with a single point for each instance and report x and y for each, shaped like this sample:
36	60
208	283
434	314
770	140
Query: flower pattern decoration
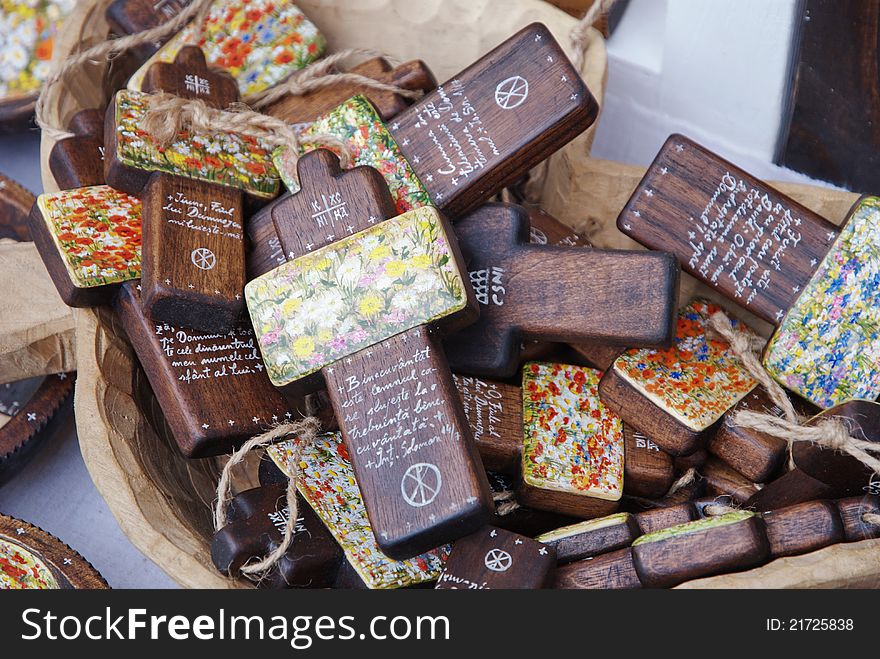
352	294
258	42
827	348
21	569
328	485
571	441
358	125
97	231
696	380
27	36
230	159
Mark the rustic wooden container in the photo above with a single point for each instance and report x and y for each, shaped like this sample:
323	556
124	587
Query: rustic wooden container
162	501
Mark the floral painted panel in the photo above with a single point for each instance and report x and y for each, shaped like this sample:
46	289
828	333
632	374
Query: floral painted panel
350	295
357	124
20	569
97	230
827	348
258	42
571	441
27	37
328	485
230	159
696	380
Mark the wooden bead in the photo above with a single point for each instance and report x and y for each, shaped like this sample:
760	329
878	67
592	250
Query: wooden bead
614	570
78	161
592	537
493	558
494	413
656	519
803	528
647	471
721	479
853	510
728	543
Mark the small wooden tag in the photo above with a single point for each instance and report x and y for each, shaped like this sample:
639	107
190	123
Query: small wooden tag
78	162
629	298
803	528
592	537
494	558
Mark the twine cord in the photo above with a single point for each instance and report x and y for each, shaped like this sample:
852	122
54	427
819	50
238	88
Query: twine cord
684	480
871	518
579	35
505	503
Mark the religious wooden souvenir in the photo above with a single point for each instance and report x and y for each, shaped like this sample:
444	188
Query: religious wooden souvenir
840	473
133	16
722	479
572	455
592	537
853	512
90	241
715	545
516	518
257	520
328	470
655	519
756	455
257	42
493	558
494	413
629	298
78	161
31	559
211	386
29	33
816	282
463	142
647	471
614	570
675	395
803	528
413	76
544	229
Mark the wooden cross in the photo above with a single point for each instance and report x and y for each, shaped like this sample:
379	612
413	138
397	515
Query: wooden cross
133	16
211	387
494	558
78	161
794	269
467	139
592	537
803	528
256	522
555	293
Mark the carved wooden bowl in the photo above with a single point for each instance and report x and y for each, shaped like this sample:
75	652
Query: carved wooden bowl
163	501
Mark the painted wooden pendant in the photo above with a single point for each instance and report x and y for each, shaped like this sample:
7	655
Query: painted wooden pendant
592	537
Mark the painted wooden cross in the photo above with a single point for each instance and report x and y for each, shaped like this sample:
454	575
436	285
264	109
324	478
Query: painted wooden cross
467	139
353	307
555	293
193	271
817	283
78	161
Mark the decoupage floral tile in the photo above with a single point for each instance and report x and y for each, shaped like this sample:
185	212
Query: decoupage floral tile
571	442
696	380
97	231
352	294
21	569
827	348
27	36
357	124
229	159
258	42
328	485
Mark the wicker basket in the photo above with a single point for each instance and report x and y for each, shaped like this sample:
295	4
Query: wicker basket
161	500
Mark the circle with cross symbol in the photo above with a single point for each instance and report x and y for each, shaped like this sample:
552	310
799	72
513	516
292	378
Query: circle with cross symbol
512	92
203	258
498	560
421	484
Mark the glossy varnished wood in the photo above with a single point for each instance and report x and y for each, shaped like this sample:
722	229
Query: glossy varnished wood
543	292
614	570
791	488
664	517
803	528
78	161
494	412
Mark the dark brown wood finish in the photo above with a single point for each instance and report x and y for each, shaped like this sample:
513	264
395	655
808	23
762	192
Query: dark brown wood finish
495	120
728	229
582	507
518	518
493	558
691	554
78	161
52	564
257	520
414	76
696	460
614	570
494	412
853	511
212	387
722	479
791	488
555	293
803	528
600	355
133	16
591	538
544	229
647	471
662	518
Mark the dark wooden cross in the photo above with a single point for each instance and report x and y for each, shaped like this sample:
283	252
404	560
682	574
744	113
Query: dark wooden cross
133	16
78	161
494	558
779	260
364	302
555	293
